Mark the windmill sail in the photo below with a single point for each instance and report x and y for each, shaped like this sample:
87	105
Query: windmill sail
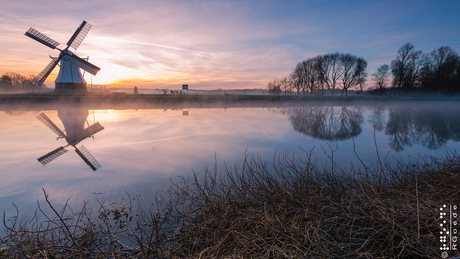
79	35
42	38
91	130
52	155
45	120
46	71
85	65
88	158
69	78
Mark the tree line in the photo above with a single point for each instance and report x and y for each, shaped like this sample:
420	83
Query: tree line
14	82
323	73
435	71
412	69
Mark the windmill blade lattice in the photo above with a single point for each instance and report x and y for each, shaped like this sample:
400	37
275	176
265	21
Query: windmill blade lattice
79	35
52	155
45	120
70	78
88	158
40	78
42	38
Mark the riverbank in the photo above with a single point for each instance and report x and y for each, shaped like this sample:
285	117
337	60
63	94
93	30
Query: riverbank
125	101
300	211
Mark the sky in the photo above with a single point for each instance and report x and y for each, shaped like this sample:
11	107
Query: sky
219	44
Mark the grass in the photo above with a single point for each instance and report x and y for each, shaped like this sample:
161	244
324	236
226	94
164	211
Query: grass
288	209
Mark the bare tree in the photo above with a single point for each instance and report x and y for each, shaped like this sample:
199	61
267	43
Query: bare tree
330	70
327	71
354	71
17	82
6	83
406	67
297	77
322	67
285	83
381	76
274	86
310	74
439	70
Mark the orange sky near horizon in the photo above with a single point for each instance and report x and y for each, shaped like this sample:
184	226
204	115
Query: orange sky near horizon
218	44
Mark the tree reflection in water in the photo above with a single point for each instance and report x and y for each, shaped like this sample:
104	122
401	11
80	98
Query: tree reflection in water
399	129
377	118
431	125
326	122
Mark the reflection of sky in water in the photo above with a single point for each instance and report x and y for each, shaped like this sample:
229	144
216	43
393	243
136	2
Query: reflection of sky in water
141	150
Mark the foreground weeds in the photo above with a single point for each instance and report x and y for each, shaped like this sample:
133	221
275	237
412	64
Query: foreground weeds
288	209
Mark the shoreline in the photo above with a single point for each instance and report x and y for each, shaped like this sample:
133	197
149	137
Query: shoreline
127	101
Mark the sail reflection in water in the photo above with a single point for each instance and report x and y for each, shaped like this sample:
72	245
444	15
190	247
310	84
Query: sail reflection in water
75	132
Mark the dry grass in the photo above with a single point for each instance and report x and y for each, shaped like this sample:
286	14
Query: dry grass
288	209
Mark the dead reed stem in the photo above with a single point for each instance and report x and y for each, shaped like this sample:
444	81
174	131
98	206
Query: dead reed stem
291	209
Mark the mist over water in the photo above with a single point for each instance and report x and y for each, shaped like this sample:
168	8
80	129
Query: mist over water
141	150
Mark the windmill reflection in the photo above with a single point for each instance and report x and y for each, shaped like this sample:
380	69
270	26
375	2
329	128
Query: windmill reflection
326	123
74	123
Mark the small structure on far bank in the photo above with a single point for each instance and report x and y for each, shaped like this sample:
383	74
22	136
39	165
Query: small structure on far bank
183	91
135	90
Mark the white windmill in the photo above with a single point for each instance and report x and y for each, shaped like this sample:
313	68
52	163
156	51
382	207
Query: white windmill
69	77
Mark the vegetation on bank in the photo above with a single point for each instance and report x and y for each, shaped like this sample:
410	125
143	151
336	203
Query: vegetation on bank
412	70
289	209
14	82
397	95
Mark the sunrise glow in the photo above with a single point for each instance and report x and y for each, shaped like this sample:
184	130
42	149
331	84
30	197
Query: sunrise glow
218	44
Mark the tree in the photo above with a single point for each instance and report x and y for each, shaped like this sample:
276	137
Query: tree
296	76
310	74
405	68
381	76
330	70
18	82
439	71
6	83
274	86
303	74
285	84
354	71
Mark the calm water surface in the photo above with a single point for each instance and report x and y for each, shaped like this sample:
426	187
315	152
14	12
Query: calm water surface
141	150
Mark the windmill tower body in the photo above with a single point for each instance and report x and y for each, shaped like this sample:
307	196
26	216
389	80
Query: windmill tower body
74	124
69	78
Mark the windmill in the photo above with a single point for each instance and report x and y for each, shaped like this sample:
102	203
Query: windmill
69	77
74	124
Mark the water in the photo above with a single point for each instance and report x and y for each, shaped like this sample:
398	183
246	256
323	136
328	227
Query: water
142	150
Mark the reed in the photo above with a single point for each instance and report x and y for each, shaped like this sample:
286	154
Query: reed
290	208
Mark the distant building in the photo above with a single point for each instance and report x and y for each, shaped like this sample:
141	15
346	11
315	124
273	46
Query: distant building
184	87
